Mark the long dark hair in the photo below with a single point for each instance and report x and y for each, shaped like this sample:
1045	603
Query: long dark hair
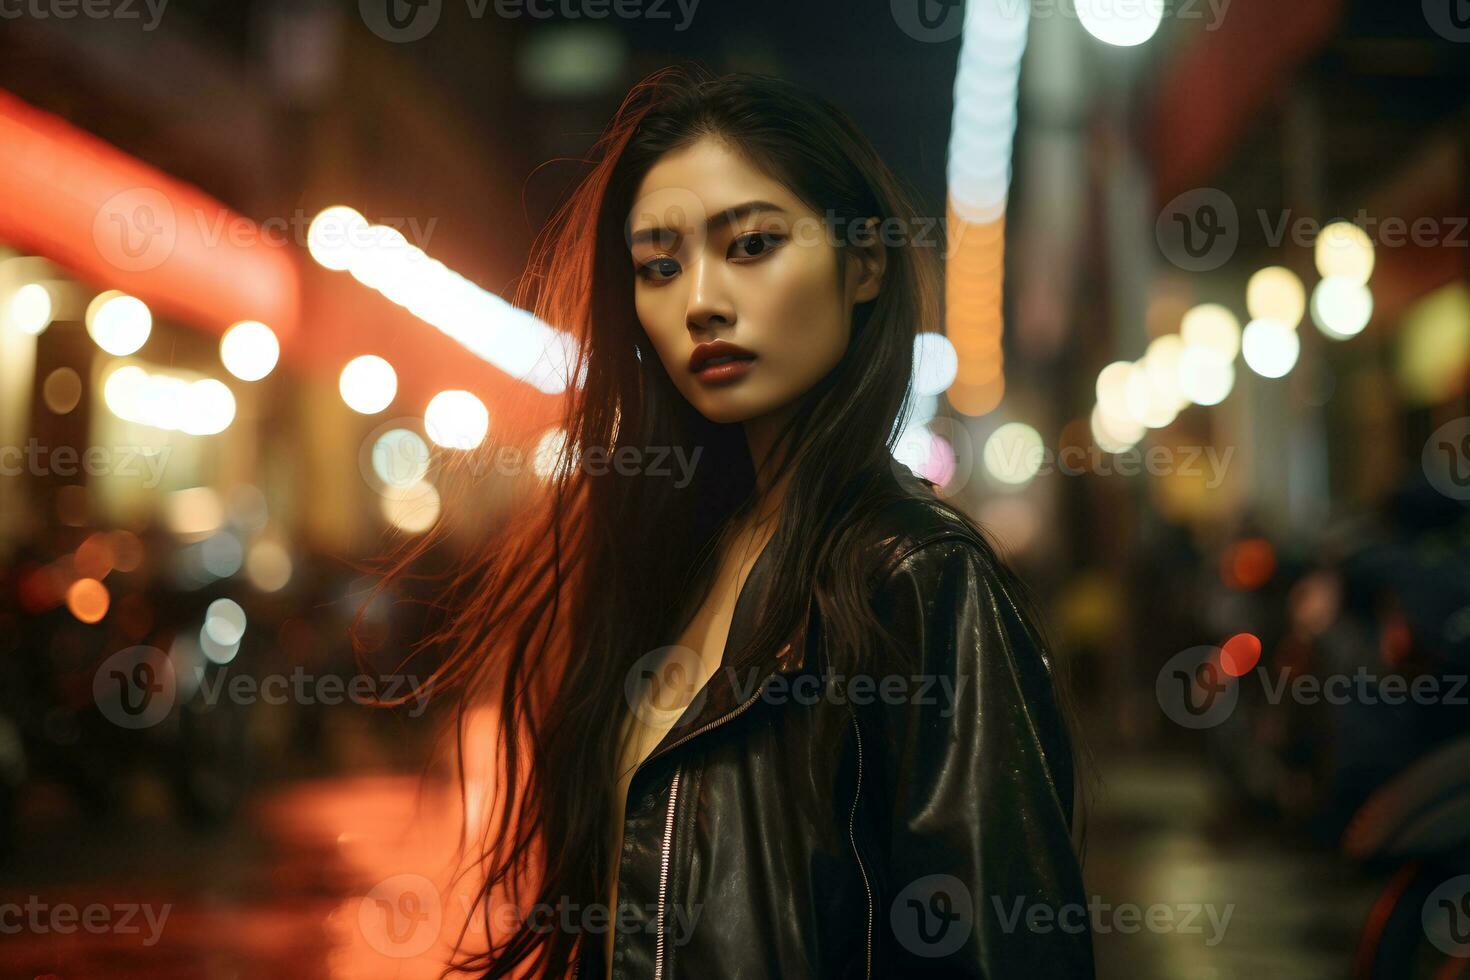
550	616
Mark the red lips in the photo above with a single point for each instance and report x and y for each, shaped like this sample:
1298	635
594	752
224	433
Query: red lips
705	353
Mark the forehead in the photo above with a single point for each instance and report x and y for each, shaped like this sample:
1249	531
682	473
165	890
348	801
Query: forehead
688	186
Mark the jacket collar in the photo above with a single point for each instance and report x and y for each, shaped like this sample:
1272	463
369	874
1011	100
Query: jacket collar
738	681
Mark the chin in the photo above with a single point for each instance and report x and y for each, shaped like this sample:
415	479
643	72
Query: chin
725	414
728	408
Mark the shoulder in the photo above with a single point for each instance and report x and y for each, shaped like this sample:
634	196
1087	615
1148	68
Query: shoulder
928	562
912	530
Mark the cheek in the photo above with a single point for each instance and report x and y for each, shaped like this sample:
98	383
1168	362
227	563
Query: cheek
804	309
660	320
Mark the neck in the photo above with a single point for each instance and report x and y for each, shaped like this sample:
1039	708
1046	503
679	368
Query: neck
760	436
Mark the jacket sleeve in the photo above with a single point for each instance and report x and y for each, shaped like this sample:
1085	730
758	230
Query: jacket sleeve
974	781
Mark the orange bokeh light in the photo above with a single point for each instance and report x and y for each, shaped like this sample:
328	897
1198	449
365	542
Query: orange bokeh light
87	599
1248	564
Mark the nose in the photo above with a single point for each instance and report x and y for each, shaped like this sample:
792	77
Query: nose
709	301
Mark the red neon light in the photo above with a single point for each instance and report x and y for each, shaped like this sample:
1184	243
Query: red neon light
116	221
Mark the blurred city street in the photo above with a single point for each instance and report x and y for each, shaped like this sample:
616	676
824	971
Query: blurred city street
279	313
279	893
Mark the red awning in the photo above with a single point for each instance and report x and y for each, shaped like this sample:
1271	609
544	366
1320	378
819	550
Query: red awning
115	220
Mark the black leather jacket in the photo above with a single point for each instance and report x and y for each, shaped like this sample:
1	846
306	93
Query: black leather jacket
949	795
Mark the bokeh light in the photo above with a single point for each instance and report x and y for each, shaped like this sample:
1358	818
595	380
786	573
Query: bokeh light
249	350
1206	377
1270	348
87	599
31	308
1343	250
118	323
413	509
1341	307
368	384
1014	453
1214	327
1118	23
456	419
1276	293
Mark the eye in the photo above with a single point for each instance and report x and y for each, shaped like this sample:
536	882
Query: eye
661	269
754	244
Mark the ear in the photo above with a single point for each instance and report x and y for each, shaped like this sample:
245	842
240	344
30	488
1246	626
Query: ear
872	258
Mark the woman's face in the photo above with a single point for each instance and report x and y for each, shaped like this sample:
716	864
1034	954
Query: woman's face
722	252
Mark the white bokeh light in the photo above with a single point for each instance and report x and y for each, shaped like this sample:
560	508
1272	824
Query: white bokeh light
1270	348
1212	326
368	384
1205	377
1114	435
456	419
30	309
935	363
1344	250
249	350
1014	453
1341	307
333	236
119	323
1121	23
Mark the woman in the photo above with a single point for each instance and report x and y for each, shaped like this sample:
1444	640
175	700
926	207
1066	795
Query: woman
781	713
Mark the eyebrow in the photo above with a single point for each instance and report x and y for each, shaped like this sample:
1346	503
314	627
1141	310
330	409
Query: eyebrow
724	218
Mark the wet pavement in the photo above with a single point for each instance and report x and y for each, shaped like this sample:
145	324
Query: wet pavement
347	878
1231	896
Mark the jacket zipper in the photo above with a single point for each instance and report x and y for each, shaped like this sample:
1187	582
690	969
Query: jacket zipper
663	882
663	877
668	841
852	837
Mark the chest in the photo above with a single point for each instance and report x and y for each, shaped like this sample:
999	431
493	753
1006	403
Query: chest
670	677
